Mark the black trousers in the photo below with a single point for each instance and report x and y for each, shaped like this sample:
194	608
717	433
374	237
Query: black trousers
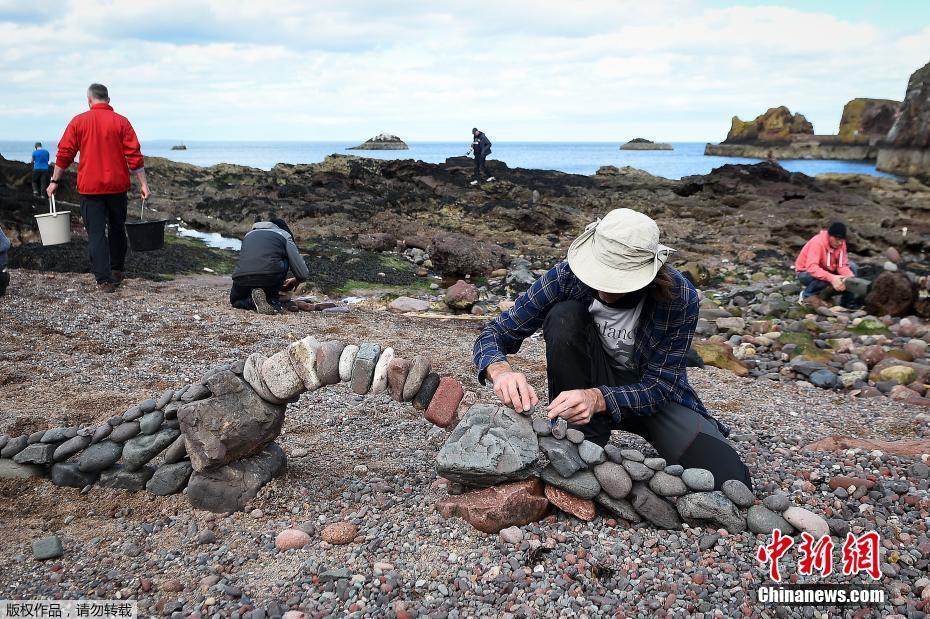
104	217
39	182
479	166
240	295
576	359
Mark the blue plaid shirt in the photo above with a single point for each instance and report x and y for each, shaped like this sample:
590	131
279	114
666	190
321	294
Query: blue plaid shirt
662	341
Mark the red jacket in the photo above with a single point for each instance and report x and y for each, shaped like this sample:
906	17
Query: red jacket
109	149
821	261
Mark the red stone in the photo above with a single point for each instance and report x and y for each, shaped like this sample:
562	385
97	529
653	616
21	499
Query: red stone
570	504
396	376
441	409
903	447
842	481
498	507
339	533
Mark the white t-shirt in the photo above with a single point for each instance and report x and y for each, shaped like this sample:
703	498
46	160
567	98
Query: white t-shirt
616	328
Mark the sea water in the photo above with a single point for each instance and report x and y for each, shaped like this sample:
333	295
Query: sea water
686	159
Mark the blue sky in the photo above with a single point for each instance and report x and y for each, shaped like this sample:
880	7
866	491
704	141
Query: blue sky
602	70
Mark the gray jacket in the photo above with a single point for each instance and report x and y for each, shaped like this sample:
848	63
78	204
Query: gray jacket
269	250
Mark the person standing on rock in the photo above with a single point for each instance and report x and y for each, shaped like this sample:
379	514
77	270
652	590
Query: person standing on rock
618	324
481	147
109	151
823	267
268	252
40	159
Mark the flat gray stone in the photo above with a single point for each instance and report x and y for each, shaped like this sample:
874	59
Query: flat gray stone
11	470
712	506
121	479
737	492
664	484
762	521
633	454
490	445
575	436
69	475
57	435
327	361
621	508
197	391
169	478
175	451
541	427
151	422
228	488
613	479
132	414
4	439
656	464
35	437
419	370
164	399
563	455
637	470
777	502
37	453
363	369
171	411
100	456
613	453
559	428
47	548
582	484
280	376
101	432
675	469
252	374
147	406
654	508
124	431
699	480
14	446
137	451
592	453
116	420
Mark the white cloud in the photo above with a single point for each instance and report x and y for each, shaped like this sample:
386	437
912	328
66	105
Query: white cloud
544	70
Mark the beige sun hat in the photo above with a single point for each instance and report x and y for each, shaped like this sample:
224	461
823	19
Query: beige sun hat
619	253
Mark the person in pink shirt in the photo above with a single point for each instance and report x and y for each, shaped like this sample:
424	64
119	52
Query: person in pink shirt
824	265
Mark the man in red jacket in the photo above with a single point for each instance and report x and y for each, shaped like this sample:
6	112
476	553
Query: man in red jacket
109	151
824	263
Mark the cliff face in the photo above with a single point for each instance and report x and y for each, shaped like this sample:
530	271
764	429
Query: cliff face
867	120
776	125
907	147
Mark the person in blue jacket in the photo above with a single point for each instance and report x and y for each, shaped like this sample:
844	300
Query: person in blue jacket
40	159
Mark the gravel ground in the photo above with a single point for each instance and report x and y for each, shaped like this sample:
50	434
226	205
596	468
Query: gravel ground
70	356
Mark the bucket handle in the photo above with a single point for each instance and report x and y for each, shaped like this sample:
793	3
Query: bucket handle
52	210
142	211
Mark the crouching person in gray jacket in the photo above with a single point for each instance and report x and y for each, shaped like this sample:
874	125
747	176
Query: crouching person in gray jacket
268	253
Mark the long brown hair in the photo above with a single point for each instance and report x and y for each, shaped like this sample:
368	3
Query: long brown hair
662	288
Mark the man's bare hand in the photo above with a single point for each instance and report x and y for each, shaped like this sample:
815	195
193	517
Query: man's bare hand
839	283
576	406
289	284
51	189
513	390
146	194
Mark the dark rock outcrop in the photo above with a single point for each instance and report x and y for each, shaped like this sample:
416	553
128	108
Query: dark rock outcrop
906	149
866	120
382	141
776	125
891	293
228	488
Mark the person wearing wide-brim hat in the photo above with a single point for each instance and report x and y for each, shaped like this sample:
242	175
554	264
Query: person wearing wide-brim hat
618	324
